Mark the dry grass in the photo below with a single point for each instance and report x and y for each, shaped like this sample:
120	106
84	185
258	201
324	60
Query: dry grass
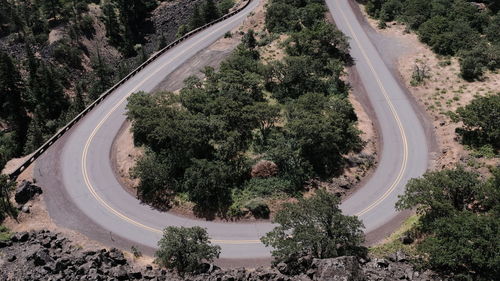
443	92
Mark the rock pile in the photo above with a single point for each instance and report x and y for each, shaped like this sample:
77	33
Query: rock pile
26	191
43	255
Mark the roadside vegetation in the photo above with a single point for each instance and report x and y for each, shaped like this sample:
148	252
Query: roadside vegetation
205	13
185	249
458	227
311	228
251	131
481	124
316	228
467	29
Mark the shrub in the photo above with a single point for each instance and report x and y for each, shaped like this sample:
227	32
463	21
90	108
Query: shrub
185	248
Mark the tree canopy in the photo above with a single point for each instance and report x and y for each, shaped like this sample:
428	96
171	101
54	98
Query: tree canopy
481	121
314	226
459	221
185	248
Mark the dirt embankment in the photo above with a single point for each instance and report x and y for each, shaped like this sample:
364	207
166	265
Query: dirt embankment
443	92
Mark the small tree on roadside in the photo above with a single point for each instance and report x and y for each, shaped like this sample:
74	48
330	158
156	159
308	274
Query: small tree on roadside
314	226
421	72
185	248
6	208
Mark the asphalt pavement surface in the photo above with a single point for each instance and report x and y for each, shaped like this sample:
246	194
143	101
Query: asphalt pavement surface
90	199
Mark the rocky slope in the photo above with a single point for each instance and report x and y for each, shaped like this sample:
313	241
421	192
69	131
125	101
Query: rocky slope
43	255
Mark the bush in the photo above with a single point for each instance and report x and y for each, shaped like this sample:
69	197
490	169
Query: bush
481	122
265	187
258	208
314	226
185	248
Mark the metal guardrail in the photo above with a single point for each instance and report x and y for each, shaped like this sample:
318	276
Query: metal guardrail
75	120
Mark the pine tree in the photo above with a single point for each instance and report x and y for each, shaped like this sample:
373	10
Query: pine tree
210	11
197	19
111	24
11	104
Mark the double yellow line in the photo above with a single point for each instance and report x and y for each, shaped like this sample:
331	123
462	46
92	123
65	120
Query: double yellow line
87	181
404	139
92	190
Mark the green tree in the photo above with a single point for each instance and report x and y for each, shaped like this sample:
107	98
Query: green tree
208	184
280	17
324	128
249	40
441	194
210	11
314	226
12	107
224	6
465	245
481	121
196	19
111	23
185	248
6	186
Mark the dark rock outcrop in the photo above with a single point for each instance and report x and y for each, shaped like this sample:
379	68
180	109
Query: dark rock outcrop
26	191
43	255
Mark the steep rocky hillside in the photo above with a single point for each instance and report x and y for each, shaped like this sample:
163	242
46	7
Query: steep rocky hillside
43	255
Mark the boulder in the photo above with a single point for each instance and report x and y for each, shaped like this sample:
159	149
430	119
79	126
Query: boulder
407	239
20	237
41	257
119	273
26	191
338	269
26	208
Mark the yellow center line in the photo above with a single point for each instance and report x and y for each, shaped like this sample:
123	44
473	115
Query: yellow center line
155	230
96	129
396	117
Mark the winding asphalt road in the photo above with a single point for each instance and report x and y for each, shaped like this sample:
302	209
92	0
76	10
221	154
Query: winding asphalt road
80	164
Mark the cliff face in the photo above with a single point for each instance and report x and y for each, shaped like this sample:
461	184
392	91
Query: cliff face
42	255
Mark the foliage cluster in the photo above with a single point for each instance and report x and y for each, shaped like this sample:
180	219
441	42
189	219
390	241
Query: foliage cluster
457	27
293	112
314	227
185	248
460	219
481	123
6	208
205	13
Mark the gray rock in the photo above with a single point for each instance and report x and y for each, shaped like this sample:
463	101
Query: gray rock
119	273
20	237
406	239
41	257
11	258
26	191
337	269
26	208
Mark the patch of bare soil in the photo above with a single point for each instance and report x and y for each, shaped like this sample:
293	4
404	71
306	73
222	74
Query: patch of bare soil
124	155
14	163
443	92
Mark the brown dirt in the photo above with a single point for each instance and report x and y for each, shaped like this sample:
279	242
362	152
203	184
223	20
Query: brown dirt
124	155
444	91
14	163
